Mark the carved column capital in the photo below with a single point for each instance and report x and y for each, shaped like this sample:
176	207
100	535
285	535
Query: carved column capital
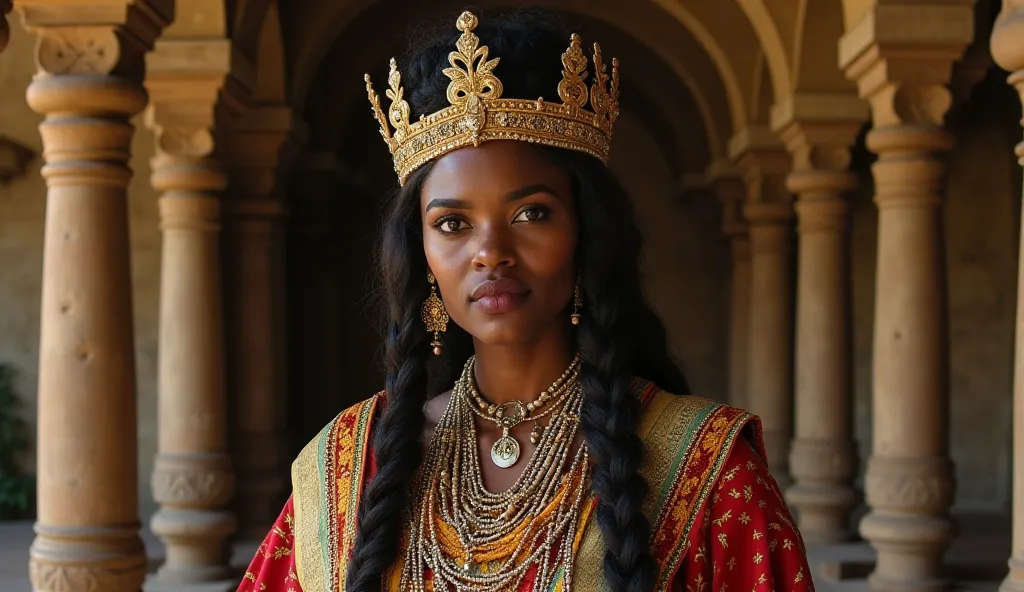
900	55
104	37
195	88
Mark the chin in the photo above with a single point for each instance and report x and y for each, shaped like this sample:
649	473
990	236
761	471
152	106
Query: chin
513	329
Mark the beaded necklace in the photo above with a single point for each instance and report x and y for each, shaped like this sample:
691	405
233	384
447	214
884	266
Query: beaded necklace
474	540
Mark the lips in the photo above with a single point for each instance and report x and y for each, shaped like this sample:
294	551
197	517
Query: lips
499	296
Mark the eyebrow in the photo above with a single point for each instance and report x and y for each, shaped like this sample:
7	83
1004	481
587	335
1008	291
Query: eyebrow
461	204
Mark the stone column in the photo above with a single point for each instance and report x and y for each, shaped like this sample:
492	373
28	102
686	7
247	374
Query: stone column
731	192
909	481
88	85
192	477
818	131
254	275
1007	47
769	214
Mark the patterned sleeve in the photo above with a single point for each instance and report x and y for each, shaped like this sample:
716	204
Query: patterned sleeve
747	539
273	567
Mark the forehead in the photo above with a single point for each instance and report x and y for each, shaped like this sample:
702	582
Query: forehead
493	168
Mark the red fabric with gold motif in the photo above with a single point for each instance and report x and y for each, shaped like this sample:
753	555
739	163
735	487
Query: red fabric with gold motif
744	540
273	567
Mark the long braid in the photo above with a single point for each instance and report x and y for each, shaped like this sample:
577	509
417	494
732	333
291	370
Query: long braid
615	315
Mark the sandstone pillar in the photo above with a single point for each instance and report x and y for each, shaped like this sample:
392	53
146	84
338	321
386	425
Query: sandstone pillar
909	481
192	477
88	85
818	131
769	213
1007	47
731	192
254	275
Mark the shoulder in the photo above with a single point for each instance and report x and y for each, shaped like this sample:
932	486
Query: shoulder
347	430
671	423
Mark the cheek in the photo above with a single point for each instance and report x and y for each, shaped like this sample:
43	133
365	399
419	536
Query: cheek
445	260
551	254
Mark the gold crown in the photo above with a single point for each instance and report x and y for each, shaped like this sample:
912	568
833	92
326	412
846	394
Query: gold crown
476	112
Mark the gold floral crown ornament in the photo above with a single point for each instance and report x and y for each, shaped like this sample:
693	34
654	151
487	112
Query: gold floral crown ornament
477	113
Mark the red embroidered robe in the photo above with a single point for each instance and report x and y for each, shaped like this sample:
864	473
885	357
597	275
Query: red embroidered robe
720	526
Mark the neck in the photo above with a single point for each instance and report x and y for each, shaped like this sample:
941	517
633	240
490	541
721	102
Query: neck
520	372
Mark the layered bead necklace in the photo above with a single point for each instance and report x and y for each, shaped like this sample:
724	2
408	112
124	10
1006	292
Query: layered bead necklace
473	540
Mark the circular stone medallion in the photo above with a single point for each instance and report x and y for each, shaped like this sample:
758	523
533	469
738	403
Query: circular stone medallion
505	452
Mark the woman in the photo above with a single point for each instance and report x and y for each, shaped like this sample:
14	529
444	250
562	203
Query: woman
510	268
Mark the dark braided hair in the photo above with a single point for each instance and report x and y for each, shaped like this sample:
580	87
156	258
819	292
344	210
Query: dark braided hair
620	336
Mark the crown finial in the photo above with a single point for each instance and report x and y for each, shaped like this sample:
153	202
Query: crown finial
467	22
477	112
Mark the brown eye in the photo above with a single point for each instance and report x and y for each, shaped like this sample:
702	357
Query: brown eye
532	214
450	225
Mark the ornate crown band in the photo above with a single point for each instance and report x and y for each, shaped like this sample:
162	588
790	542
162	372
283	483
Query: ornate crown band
477	113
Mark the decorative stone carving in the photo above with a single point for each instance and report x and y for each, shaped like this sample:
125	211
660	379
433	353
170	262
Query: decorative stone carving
916	484
49	577
822	461
192	480
78	50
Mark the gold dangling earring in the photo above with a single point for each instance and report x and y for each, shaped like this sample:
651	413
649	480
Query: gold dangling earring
435	316
577	303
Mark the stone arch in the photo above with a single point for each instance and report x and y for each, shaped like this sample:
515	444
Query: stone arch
358	50
707	21
799	39
247	25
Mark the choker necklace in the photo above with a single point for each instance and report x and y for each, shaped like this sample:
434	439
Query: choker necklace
506	449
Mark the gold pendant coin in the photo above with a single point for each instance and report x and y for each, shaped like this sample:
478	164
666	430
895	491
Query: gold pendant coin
505	451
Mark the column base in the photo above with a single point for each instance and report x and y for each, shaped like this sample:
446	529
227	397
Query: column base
197	551
910	550
822	495
823	512
87	558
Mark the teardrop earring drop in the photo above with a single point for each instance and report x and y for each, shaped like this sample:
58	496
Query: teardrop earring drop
577	303
435	316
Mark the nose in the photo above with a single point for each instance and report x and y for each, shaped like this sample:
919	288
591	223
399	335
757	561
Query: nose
494	248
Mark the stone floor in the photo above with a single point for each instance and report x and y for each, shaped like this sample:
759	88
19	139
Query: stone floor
977	560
